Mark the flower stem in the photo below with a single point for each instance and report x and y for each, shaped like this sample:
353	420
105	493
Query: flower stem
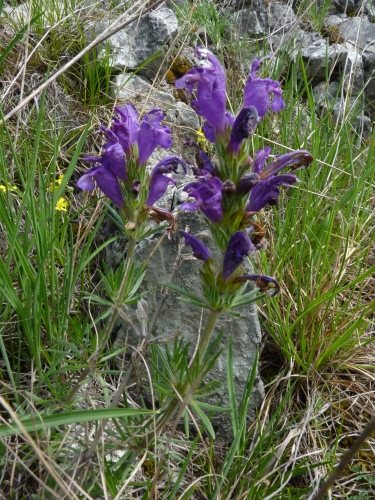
205	337
120	294
111	323
188	389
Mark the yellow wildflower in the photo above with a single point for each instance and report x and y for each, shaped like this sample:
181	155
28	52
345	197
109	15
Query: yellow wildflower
7	187
202	141
62	204
54	185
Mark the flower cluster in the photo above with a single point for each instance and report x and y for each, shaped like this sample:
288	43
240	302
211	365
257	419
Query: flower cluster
120	172
231	194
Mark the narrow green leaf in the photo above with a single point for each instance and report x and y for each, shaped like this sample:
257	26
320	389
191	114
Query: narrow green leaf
68	418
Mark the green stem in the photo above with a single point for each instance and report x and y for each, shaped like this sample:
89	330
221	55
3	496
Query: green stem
120	295
186	390
111	323
205	337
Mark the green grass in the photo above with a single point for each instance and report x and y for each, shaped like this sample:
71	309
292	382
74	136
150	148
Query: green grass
56	296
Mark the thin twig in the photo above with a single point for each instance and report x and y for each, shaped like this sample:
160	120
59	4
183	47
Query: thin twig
346	459
111	30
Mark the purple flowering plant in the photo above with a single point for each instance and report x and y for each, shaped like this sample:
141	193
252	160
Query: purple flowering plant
121	173
231	191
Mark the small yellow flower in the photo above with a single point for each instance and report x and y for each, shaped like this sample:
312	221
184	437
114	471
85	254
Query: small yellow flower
7	187
202	141
54	185
62	204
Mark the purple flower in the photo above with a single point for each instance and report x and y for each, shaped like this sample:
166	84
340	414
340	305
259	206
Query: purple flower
209	131
200	251
152	133
111	166
295	160
247	182
211	85
238	249
266	191
159	182
245	123
208	196
265	283
127	128
258	90
260	159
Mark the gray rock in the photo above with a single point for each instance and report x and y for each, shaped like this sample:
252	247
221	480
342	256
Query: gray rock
359	32
332	99
134	45
369	66
350	7
353	72
334	20
261	18
177	315
321	58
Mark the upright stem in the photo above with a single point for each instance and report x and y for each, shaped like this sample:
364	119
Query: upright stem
120	295
206	336
186	392
111	323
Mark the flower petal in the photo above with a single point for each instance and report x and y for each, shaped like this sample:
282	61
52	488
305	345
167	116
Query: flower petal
85	182
113	158
244	124
258	90
159	184
265	283
152	133
295	159
211	89
200	251
127	128
110	186
170	164
238	249
260	159
266	192
208	195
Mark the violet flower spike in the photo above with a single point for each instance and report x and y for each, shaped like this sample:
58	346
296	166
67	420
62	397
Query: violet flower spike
258	91
152	133
208	196
243	126
159	182
238	249
211	90
111	166
200	251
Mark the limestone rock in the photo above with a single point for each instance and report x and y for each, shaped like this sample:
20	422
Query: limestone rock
139	42
332	98
359	32
261	18
177	315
